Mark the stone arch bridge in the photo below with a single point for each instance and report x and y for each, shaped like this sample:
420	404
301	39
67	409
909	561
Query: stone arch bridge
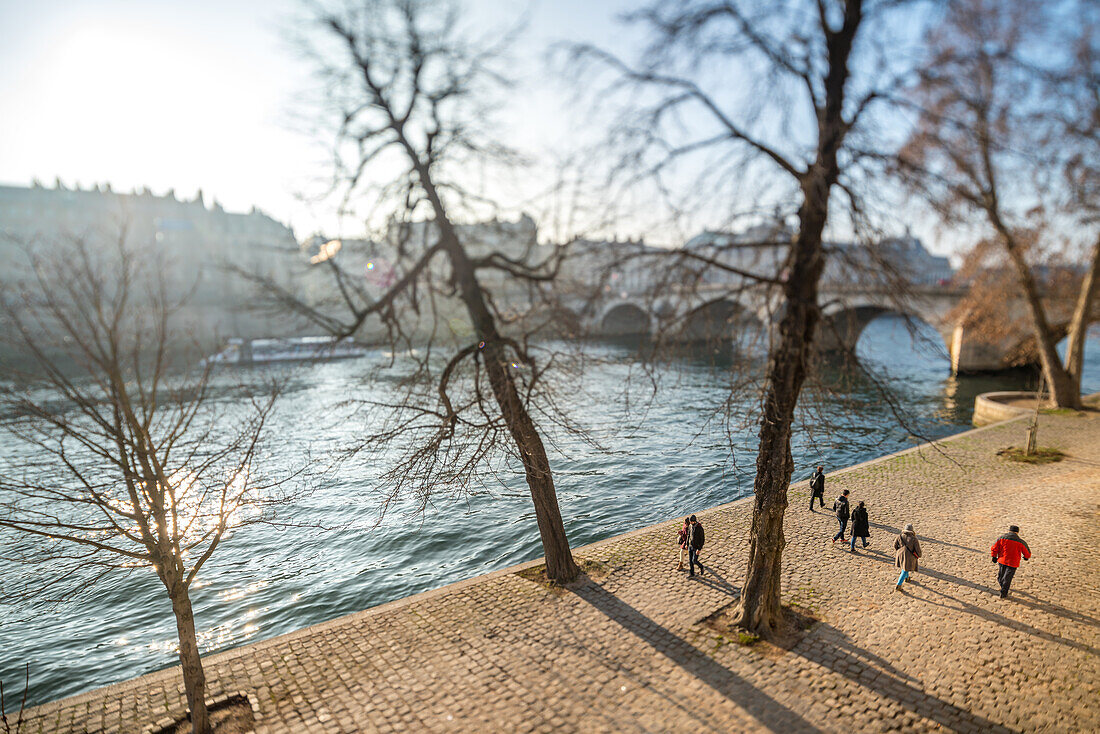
846	312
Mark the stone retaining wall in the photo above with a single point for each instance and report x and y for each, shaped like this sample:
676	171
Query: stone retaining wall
992	407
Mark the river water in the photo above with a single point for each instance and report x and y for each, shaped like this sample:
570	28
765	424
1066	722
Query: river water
660	458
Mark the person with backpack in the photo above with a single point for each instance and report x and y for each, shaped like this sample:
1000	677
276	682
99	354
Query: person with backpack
817	487
840	507
906	553
1007	552
861	526
681	540
695	539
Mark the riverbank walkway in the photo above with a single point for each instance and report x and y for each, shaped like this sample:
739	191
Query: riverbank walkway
629	650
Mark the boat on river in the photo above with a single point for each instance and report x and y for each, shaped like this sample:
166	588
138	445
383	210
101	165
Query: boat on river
244	352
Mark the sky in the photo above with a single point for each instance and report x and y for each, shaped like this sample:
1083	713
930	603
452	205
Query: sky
158	94
212	95
206	94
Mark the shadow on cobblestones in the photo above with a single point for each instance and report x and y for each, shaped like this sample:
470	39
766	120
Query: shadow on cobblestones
760	705
964	606
1039	605
1018	598
924	539
716	582
869	657
833	650
887	557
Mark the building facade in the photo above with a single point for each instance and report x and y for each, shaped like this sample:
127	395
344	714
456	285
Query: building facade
193	245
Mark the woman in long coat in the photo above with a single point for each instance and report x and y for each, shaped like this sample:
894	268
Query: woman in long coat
906	553
861	526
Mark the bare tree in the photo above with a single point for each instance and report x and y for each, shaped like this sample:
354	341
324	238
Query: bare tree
409	94
774	97
1079	123
126	462
995	128
990	309
1084	314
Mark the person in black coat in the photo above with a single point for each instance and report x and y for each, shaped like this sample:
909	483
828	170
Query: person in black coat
817	487
840	507
861	526
695	541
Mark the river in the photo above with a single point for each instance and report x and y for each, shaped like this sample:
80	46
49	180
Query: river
661	458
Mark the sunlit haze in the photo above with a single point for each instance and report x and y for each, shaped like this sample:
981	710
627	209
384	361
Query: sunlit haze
202	95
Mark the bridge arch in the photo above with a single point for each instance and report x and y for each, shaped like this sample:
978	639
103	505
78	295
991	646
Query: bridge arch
722	320
842	325
625	318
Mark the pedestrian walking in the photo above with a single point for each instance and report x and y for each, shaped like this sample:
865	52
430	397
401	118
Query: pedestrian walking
861	526
906	553
840	507
1007	552
695	539
817	487
682	541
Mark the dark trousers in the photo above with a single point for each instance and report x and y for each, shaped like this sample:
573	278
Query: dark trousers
1004	577
820	498
693	560
843	526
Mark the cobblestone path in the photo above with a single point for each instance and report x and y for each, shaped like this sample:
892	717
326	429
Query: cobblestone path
628	652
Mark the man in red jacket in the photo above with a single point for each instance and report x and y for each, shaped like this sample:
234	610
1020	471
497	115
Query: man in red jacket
1007	552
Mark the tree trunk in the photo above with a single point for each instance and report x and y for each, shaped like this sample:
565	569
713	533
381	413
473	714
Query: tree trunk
560	565
1063	392
1082	314
194	680
760	609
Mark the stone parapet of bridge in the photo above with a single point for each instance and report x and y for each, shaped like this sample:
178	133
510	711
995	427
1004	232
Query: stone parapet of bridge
846	312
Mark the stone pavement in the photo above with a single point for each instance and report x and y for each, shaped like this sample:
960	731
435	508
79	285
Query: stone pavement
628	652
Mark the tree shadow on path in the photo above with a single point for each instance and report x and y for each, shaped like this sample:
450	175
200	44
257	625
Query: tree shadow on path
765	709
850	661
868	656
